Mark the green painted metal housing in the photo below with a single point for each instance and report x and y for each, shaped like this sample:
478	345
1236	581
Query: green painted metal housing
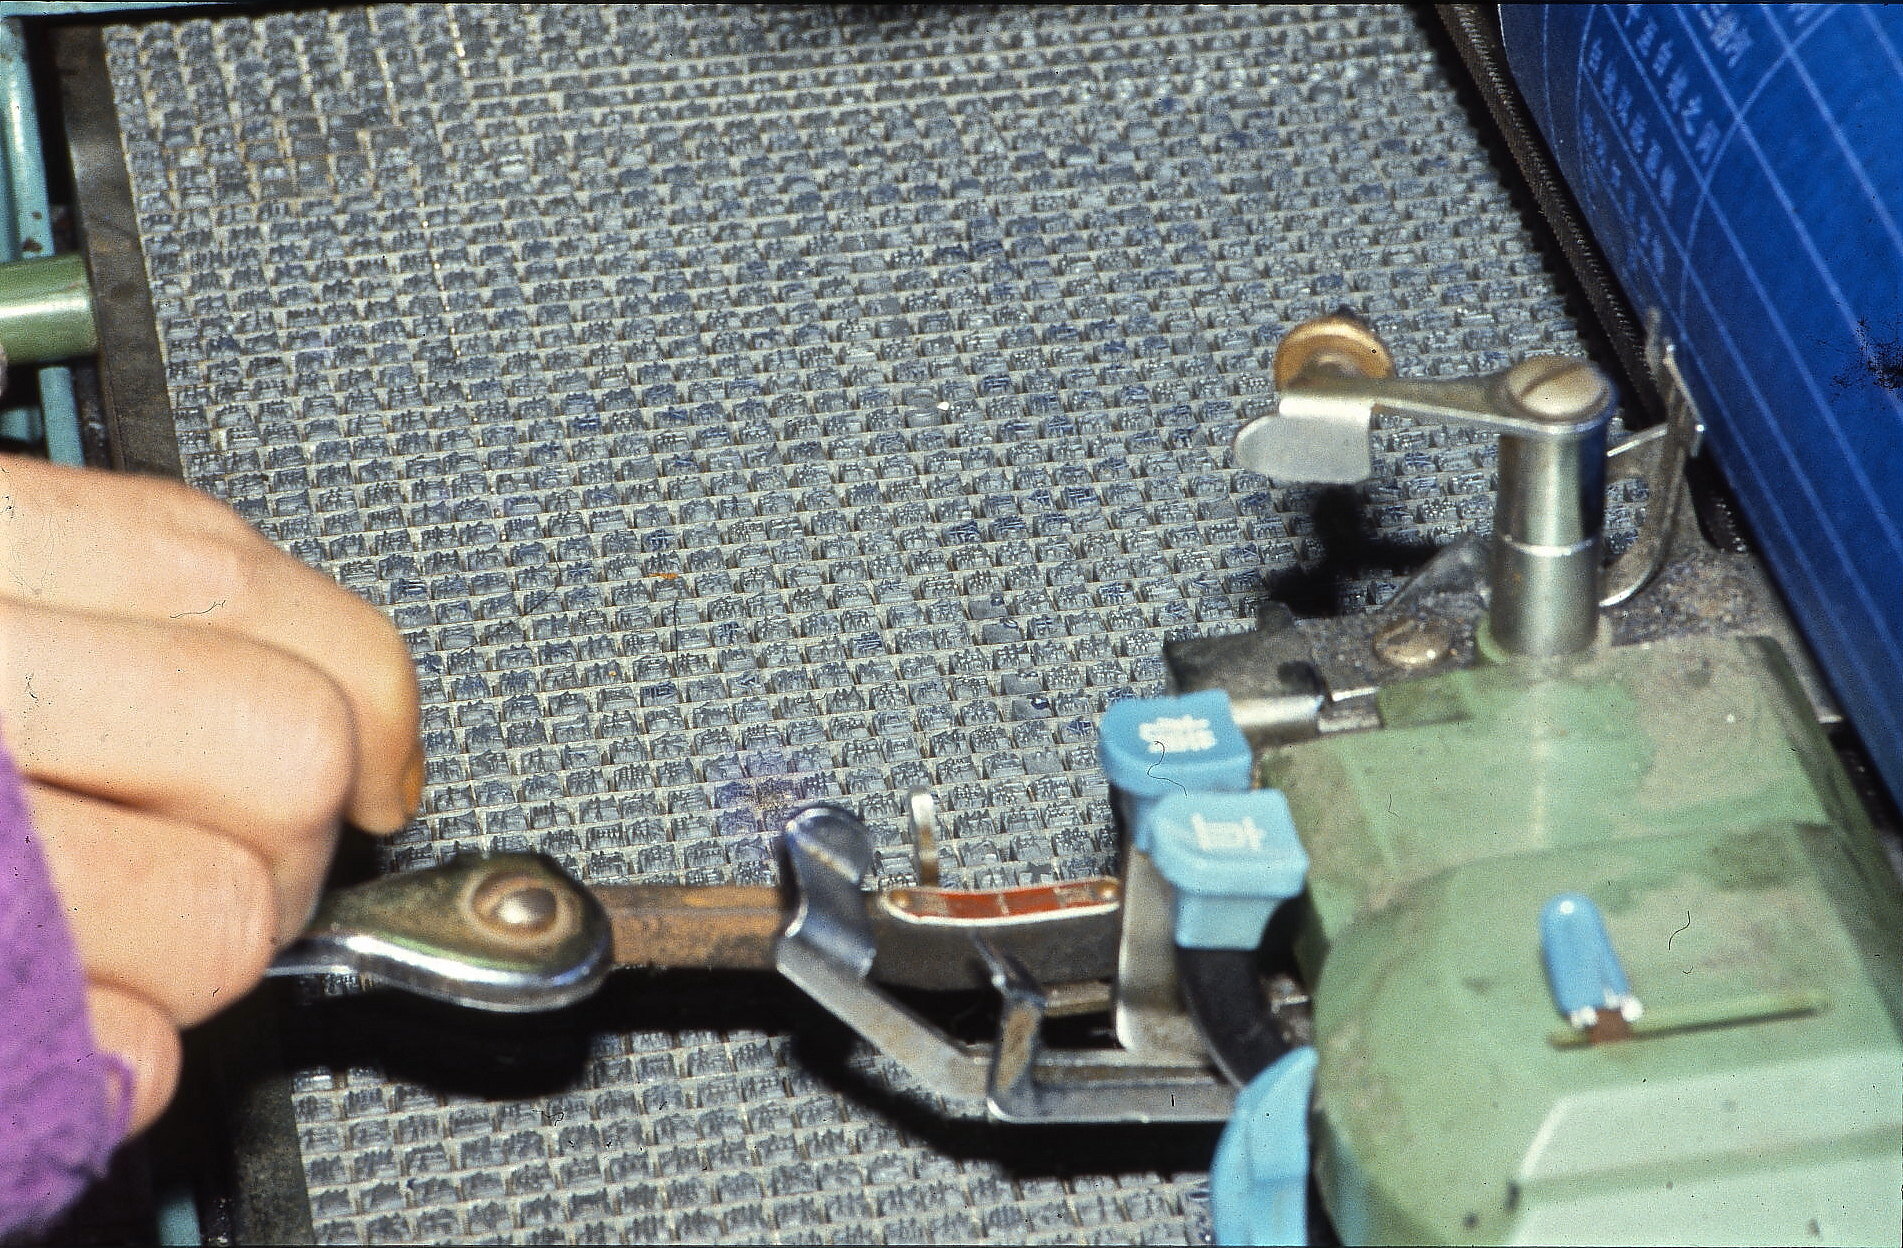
46	310
1685	788
49	418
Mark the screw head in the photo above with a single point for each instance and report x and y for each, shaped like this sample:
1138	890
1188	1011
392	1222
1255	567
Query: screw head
1557	388
517	906
1411	644
1340	344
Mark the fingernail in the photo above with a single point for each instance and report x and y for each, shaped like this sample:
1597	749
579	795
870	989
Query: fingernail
413	785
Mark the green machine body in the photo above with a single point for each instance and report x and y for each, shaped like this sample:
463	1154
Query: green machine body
1686	789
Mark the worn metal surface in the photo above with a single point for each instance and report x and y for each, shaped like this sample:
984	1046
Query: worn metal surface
736	407
130	372
45	310
708	926
505	932
1066	933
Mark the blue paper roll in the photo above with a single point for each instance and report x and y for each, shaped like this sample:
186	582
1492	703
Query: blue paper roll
1742	168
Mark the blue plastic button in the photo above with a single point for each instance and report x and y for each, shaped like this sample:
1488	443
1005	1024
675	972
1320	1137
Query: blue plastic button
1232	858
1152	747
1581	966
1258	1184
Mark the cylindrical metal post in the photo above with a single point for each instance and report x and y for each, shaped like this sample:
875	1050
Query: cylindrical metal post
1549	522
46	310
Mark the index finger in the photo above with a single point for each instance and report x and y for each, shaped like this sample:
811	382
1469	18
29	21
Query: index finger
156	550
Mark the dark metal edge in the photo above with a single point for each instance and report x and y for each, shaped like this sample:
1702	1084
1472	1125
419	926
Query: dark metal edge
243	1156
141	433
1474	30
268	1200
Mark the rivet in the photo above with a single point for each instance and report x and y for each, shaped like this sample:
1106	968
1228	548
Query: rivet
1411	644
517	906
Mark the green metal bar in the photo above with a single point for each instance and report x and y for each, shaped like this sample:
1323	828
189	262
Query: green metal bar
19	422
46	311
29	233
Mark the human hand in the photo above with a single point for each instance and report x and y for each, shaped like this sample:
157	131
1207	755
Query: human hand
193	713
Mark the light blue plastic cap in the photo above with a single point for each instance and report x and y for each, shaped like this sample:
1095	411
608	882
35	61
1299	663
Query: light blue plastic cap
1151	747
1232	858
1258	1186
1581	966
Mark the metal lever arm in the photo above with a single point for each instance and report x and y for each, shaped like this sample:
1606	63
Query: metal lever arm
1657	455
828	950
1551	414
1027	1083
511	933
471	932
1319	430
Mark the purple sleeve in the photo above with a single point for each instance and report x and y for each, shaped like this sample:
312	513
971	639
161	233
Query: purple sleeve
62	1103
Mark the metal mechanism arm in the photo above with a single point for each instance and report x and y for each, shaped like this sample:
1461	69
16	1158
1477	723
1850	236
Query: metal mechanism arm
828	950
1551	414
510	933
1658	456
514	933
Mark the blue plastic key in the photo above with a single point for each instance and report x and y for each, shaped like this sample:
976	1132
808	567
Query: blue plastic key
1581	966
1152	747
1258	1184
1231	859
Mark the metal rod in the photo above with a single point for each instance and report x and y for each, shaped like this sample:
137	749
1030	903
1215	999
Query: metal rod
1549	522
30	233
703	927
922	937
46	310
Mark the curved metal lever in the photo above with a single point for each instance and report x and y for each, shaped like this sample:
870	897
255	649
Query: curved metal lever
1551	414
829	949
1657	455
509	932
1319	430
